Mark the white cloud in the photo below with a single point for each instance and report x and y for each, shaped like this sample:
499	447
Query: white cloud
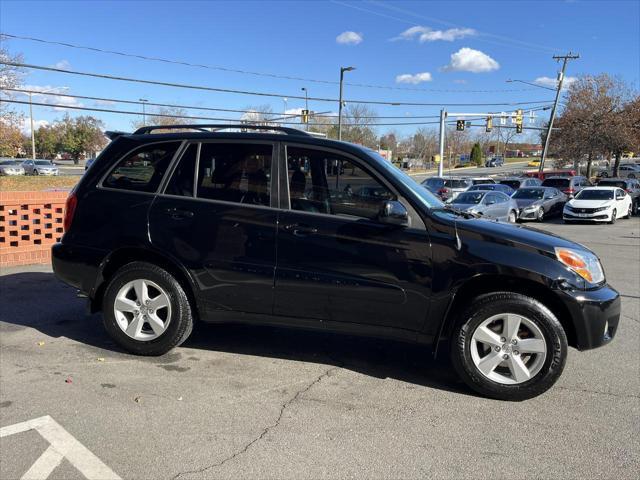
25	125
426	34
553	83
52	99
414	79
349	38
470	60
62	65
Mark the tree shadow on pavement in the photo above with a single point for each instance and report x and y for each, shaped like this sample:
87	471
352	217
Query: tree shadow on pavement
40	301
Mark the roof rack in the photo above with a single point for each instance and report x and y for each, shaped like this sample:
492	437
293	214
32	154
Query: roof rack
204	126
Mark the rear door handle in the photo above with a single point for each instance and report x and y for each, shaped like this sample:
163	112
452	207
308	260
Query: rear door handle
300	230
178	214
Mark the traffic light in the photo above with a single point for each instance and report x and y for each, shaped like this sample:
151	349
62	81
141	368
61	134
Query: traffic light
305	116
519	121
489	124
460	125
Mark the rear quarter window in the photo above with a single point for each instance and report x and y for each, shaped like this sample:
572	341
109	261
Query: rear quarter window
142	170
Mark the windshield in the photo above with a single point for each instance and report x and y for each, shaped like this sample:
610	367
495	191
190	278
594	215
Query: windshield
9	162
43	162
595	194
425	196
529	193
468	198
451	183
483	186
611	183
477	181
556	182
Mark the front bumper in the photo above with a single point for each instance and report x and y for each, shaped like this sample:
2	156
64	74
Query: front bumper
602	216
595	315
528	214
48	172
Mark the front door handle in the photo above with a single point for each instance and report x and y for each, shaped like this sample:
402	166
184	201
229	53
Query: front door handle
300	230
178	214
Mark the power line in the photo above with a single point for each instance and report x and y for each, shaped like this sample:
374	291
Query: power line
248	72
192	107
190	117
261	94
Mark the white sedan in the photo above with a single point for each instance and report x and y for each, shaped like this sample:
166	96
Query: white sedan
598	204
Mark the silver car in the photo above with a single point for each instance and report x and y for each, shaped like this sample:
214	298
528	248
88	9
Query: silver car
488	204
11	167
39	167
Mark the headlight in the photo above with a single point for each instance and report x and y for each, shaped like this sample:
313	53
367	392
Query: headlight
531	207
584	263
568	207
602	208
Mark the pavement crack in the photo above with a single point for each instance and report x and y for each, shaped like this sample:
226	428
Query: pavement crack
265	431
597	392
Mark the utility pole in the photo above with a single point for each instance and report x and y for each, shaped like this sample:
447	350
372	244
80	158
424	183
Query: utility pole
565	59
342	70
443	116
33	136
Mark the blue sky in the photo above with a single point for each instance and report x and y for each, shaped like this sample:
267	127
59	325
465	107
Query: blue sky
461	46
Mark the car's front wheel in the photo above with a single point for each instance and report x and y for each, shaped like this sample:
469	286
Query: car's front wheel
614	216
513	216
145	310
508	346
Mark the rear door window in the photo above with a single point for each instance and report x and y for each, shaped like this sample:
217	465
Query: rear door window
182	178
235	172
143	169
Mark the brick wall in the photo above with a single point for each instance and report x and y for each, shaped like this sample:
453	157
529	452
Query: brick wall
30	222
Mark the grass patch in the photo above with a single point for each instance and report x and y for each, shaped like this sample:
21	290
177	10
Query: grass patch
37	183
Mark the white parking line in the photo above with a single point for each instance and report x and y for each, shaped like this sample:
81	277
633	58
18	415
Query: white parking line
62	445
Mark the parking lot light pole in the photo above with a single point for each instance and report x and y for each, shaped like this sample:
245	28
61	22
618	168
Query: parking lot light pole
342	70
443	116
144	113
306	105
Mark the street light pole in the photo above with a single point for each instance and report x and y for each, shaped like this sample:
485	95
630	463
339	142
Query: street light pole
33	136
306	105
342	70
144	113
552	117
443	116
284	111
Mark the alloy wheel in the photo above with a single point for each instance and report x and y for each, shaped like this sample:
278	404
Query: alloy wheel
142	310
508	349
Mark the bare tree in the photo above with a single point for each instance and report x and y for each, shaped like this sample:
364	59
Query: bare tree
425	144
595	120
357	125
258	115
164	116
11	140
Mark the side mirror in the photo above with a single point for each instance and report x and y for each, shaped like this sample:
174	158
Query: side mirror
394	213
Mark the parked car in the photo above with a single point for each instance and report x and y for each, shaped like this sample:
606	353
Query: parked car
599	204
563	172
447	187
629	185
494	162
494	187
488	204
11	167
39	167
88	163
519	182
538	203
570	186
477	180
629	170
225	226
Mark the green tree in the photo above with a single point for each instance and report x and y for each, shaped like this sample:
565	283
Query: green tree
476	154
47	139
80	136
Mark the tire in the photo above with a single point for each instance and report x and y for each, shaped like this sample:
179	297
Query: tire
546	367
631	175
634	210
512	217
35	172
540	215
613	217
176	316
629	211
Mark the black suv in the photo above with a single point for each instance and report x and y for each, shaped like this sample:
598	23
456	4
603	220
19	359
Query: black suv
278	227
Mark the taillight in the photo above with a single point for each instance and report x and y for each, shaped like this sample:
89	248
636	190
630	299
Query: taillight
568	191
443	191
628	190
69	210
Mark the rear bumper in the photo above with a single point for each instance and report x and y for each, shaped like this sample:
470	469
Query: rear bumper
595	314
77	266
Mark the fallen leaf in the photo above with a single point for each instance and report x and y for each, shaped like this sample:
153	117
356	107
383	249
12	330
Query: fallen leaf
179	399
40	344
137	399
68	380
100	359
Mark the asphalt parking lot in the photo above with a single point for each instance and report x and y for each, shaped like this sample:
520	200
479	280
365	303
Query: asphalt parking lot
248	402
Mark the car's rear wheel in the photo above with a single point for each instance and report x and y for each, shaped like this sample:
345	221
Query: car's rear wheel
614	214
145	310
508	346
513	216
634	208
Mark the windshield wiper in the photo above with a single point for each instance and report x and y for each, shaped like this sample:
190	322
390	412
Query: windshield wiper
459	212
